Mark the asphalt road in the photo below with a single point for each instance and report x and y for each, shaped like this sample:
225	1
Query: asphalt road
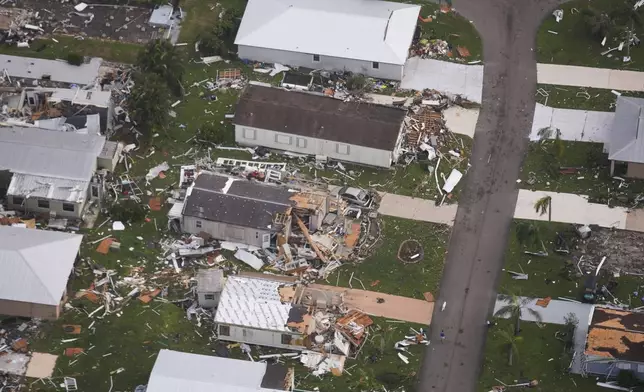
480	234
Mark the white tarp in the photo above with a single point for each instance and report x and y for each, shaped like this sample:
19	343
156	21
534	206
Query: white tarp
453	179
249	259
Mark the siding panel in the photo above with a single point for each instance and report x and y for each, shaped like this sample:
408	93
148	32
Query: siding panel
224	231
329	63
357	154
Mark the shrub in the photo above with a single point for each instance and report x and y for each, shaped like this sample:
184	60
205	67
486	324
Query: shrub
75	59
127	211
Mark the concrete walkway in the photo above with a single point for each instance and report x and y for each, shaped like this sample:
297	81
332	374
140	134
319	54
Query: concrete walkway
570	208
444	76
394	307
555	313
460	120
575	125
569	75
416	209
566	208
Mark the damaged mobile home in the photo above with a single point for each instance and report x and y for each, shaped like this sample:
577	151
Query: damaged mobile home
53	173
247	211
275	311
313	124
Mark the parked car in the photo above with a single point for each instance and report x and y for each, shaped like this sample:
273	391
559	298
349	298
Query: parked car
356	196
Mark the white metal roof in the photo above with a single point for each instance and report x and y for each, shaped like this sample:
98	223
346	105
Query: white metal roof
26	185
58	70
176	371
81	97
626	140
48	153
254	303
367	30
161	15
36	264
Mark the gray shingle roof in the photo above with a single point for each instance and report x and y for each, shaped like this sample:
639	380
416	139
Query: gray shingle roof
320	117
627	135
243	203
176	371
49	153
35	264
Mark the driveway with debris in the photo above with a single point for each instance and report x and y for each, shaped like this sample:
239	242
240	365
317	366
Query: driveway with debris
385	305
487	203
447	77
575	125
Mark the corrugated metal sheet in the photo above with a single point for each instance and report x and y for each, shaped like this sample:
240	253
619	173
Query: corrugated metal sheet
36	264
25	185
175	371
50	154
365	30
254	303
627	136
59	71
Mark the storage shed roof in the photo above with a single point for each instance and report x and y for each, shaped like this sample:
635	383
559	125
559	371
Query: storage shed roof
626	140
316	116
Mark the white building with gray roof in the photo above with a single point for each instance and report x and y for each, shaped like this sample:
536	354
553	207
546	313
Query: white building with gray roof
35	265
44	171
236	209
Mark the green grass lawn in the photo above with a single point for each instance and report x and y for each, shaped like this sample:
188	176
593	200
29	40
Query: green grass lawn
454	29
48	49
573	45
541	357
543	160
547	276
395	277
580	98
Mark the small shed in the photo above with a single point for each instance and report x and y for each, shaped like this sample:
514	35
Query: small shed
161	16
210	283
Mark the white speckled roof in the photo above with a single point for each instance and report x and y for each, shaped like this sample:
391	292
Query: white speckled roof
253	302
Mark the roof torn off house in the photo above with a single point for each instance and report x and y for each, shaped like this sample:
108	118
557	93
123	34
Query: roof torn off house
276	311
290	228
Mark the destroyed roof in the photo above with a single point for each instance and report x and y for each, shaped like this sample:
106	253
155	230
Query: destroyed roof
57	70
176	371
320	117
76	96
365	30
36	264
26	185
253	302
90	123
235	201
616	334
48	153
626	140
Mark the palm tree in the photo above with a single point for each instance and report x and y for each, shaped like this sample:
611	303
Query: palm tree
599	24
511	341
544	205
514	310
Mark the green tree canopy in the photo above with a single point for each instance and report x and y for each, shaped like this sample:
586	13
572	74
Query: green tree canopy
149	102
162	58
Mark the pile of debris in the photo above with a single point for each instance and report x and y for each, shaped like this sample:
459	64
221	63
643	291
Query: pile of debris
19	27
15	355
434	48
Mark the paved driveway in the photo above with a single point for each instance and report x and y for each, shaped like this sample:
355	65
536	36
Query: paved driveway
487	203
447	77
577	125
